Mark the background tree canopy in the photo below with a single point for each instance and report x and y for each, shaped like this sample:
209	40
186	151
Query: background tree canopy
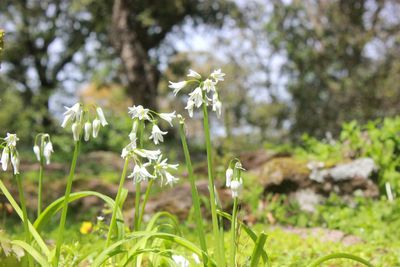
294	66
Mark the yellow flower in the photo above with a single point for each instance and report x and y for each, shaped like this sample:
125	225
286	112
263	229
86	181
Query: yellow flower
86	228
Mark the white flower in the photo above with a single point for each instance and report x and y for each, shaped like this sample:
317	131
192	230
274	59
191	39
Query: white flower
170	179
157	134
100	114
11	140
217	75
217	107
180	261
189	107
100	218
196	258
76	129
177	86
209	85
5	157
128	149
15	162
194	74
139	112
149	154
140	173
96	127
72	113
197	97
236	188
168	117
36	150
88	130
48	149
228	175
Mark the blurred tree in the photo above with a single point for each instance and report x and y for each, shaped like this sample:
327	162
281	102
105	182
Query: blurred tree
343	60
140	26
43	37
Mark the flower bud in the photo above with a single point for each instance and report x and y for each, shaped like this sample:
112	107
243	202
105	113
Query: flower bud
88	131
76	131
48	149
101	116
15	163
36	150
5	157
228	174
236	188
96	127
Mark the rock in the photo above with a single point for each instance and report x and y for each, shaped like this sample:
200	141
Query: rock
310	182
362	168
255	159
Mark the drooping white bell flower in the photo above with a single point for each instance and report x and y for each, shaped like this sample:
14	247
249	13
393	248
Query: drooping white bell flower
76	130
15	162
208	85
190	107
194	74
228	175
101	116
140	173
236	188
217	107
170	179
11	140
149	154
47	150
96	127
5	157
88	130
139	112
168	117
157	134
197	97
36	150
217	75
177	86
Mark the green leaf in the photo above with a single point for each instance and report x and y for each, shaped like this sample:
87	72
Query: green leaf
56	206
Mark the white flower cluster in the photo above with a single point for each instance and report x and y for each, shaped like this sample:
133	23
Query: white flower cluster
78	116
44	148
155	161
10	152
234	179
201	94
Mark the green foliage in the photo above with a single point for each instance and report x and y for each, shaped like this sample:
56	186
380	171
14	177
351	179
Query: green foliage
335	68
379	140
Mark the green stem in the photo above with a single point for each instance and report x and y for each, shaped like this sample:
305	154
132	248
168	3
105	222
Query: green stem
339	256
195	195
233	231
40	184
24	214
137	206
65	204
138	187
146	198
113	222
211	188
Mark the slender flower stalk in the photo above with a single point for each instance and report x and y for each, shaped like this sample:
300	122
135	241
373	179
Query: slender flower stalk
116	203
137	184
211	187
195	193
24	214
146	198
60	236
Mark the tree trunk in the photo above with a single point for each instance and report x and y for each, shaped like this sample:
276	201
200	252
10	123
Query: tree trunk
142	76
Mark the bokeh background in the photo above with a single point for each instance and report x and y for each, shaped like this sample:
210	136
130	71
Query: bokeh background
310	86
